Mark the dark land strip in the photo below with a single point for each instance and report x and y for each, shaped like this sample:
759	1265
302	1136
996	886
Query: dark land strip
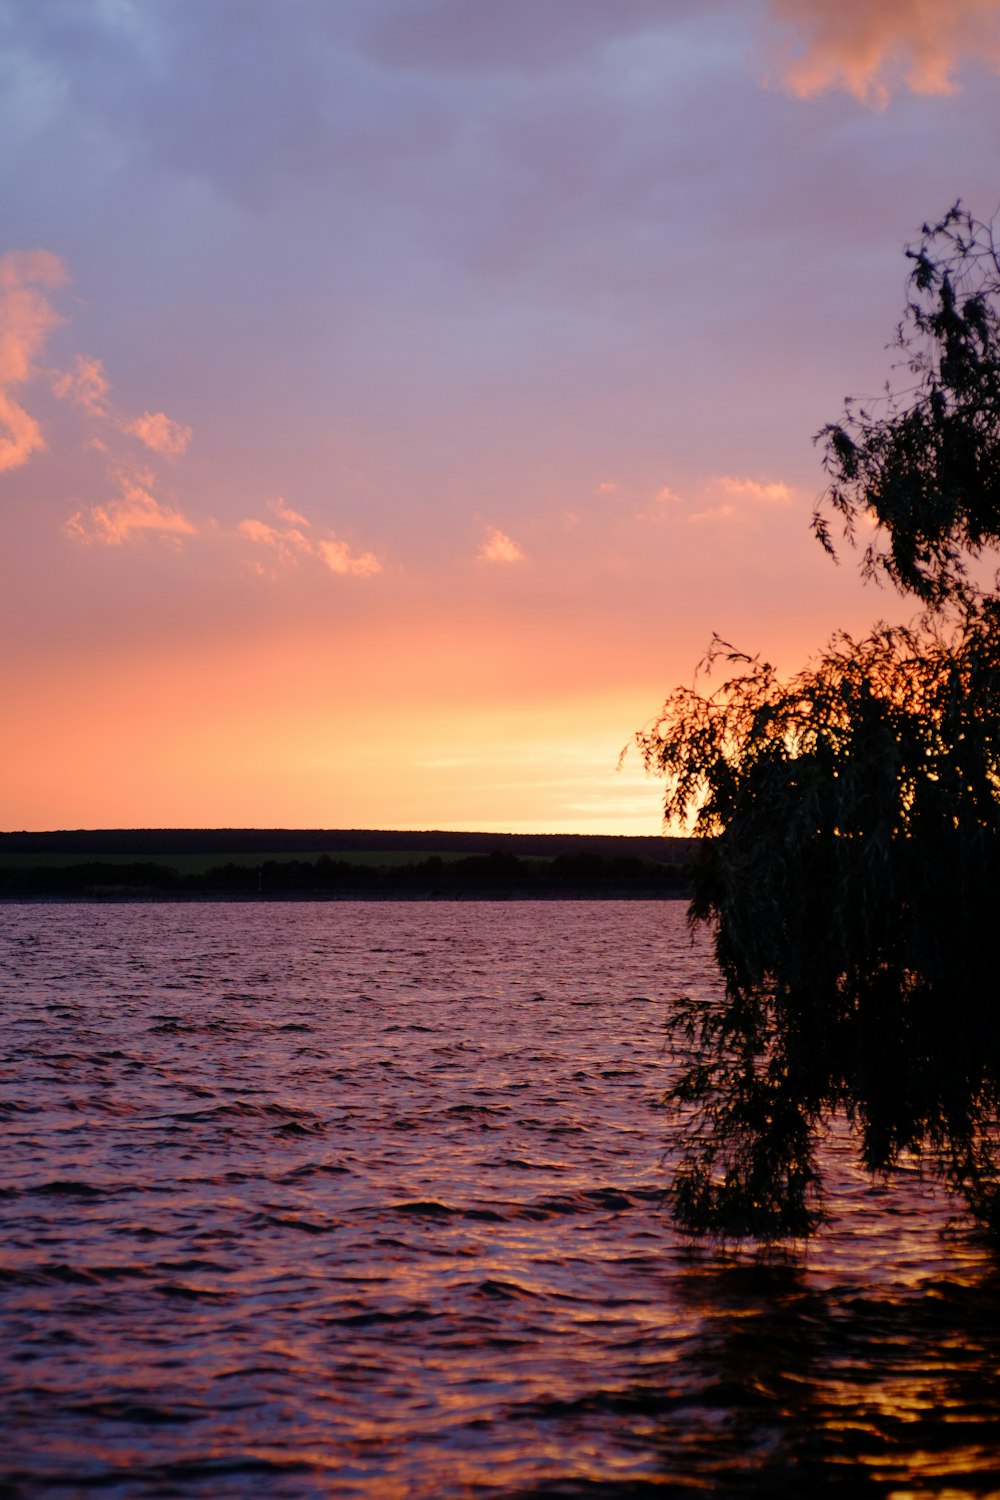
366	864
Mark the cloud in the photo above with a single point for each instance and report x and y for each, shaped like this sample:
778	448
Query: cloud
334	553
285	512
714	513
773	492
160	433
22	437
757	492
86	385
870	47
19	268
136	511
259	532
499	548
339	559
487	36
660	508
285	543
26	317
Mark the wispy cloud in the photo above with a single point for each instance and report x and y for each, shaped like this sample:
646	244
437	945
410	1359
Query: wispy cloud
277	507
500	548
872	47
86	385
135	511
332	551
260	532
160	433
773	492
26	317
663	506
713	513
284	542
732	497
340	559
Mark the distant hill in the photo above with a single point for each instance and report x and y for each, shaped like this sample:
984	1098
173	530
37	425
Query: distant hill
153	842
330	864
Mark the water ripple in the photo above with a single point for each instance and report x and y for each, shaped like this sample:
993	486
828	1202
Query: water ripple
366	1200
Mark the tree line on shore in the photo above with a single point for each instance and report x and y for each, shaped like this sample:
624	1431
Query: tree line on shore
495	875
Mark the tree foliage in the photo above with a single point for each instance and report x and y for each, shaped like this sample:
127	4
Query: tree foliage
850	863
924	464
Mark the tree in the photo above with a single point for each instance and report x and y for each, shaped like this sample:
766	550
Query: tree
850	816
927	469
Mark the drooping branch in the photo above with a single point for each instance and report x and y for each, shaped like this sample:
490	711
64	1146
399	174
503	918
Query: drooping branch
851	878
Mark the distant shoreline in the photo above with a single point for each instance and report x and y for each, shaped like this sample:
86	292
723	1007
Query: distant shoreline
145	842
184	865
306	897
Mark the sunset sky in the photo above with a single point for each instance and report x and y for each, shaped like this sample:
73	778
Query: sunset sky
395	395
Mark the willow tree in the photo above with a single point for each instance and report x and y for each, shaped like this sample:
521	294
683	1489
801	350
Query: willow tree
850	862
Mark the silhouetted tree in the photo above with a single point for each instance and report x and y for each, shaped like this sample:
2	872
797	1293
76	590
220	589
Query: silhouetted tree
850	863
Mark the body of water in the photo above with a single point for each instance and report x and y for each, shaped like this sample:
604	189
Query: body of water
351	1199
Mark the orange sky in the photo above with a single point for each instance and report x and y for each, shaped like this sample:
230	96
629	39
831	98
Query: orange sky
389	417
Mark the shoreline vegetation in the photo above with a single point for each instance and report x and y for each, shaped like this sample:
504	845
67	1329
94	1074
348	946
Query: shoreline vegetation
338	864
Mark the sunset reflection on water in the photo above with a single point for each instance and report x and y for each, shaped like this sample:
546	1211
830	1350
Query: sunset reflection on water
358	1199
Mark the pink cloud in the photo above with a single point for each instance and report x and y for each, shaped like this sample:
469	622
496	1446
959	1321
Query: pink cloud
753	493
260	532
21	267
136	511
26	318
771	492
285	513
160	433
499	548
339	559
285	542
714	513
660	508
22	436
868	48
86	385
331	551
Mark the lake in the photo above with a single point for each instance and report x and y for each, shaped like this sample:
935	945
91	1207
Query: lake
365	1199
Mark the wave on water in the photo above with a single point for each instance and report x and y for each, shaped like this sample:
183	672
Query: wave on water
367	1200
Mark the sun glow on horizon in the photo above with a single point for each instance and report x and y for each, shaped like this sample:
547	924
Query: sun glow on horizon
389	418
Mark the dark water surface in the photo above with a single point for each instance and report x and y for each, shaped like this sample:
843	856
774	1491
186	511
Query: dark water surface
364	1199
